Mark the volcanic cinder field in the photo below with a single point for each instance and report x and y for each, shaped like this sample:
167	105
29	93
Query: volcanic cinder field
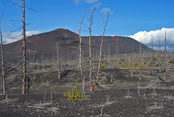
115	94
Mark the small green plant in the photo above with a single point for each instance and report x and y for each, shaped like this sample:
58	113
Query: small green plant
136	64
21	67
152	63
74	93
52	65
51	68
120	62
154	58
171	61
103	67
40	70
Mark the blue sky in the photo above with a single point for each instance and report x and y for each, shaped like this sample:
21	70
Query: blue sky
138	19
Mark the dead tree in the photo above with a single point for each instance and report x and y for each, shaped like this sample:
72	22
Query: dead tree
58	60
90	59
165	59
117	56
132	63
159	58
80	55
24	53
140	62
3	66
102	46
152	56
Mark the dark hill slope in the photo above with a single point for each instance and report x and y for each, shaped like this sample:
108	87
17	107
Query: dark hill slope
125	44
44	45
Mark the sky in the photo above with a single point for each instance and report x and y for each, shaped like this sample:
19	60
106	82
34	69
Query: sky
142	20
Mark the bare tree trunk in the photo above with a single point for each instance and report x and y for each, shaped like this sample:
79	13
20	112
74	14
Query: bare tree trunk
24	53
90	62
109	55
3	66
117	56
159	58
35	64
140	61
80	56
132	63
165	59
152	56
58	60
102	46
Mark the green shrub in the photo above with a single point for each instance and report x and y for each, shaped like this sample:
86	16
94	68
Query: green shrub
157	65
136	64
21	67
74	93
171	61
144	63
152	63
51	68
154	58
103	67
52	65
120	62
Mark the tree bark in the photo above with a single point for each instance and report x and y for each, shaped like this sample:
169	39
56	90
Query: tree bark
165	59
3	66
140	62
132	63
152	56
58	61
80	56
24	53
101	47
90	61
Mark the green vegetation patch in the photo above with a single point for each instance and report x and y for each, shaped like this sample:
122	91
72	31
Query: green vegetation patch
74	93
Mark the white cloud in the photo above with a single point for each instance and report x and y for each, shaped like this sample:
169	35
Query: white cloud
15	36
106	10
145	37
91	1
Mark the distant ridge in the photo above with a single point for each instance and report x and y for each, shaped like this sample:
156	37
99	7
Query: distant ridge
45	45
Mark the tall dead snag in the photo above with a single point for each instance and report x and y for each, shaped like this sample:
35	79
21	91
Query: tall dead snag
80	55
24	53
58	61
159	58
152	56
132	63
165	59
90	59
140	61
102	46
117	56
3	66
